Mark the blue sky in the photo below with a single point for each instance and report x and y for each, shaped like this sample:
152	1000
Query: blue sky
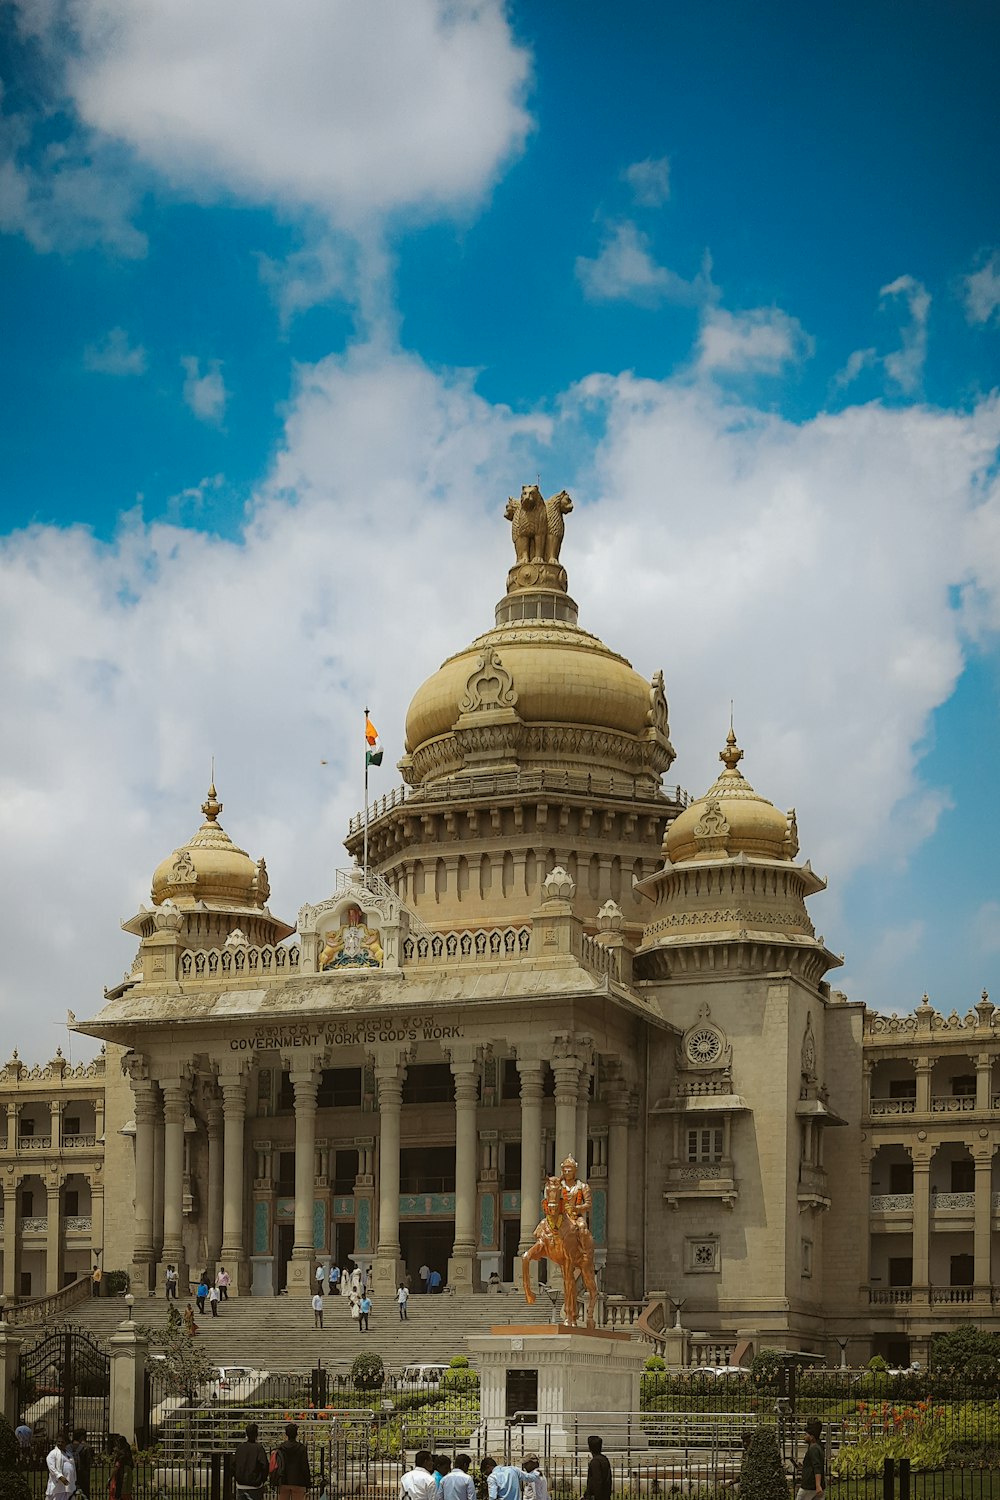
289	311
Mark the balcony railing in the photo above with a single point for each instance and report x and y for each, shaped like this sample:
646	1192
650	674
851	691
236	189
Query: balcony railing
888	1203
952	1104
32	1224
951	1295
78	1142
893	1106
953	1200
75	1223
889	1296
34	1143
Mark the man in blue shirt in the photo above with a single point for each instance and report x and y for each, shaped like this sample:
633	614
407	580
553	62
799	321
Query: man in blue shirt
458	1484
363	1311
434	1281
503	1481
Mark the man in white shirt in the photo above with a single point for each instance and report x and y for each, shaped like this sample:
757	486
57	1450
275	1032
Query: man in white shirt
425	1275
418	1483
403	1297
62	1472
318	1310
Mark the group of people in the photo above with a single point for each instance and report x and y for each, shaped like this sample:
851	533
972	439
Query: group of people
435	1477
354	1287
431	1280
70	1464
288	1468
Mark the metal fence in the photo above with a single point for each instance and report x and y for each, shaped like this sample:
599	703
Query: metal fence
914	1436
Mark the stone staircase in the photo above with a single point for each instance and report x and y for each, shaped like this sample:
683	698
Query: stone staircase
277	1334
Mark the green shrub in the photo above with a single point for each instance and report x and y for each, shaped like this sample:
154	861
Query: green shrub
655	1362
368	1372
877	1365
115	1283
766	1367
458	1362
762	1476
12	1484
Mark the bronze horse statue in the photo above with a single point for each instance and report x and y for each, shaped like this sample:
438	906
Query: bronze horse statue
569	1244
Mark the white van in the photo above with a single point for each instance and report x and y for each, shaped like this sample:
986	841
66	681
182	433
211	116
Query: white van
421	1375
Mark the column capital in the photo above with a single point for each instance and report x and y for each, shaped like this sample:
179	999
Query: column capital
390	1086
175	1102
302	1065
147	1102
305	1082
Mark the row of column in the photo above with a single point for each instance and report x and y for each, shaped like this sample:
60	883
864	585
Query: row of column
160	1163
982	1154
57	1108
923	1071
53	1232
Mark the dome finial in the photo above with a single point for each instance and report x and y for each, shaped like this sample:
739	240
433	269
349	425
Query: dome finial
212	807
732	755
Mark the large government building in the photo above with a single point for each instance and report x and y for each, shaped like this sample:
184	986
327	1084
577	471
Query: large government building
539	951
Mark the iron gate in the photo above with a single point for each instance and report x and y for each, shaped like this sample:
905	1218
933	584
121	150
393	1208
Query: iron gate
64	1382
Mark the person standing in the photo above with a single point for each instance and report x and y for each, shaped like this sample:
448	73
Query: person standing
317	1306
122	1470
320	1277
364	1310
334	1280
425	1277
434	1281
190	1326
214	1297
222	1282
459	1484
538	1485
293	1466
95	1282
403	1297
598	1472
503	1481
418	1483
82	1455
813	1463
170	1280
250	1466
61	1469
23	1434
201	1294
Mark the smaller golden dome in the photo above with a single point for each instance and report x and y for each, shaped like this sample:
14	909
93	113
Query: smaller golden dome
731	818
209	868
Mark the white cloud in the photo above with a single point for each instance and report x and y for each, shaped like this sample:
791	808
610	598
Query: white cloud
859	360
875	980
351	110
763	339
205	393
649	181
66	195
115	355
377	547
317	272
624	270
905	365
982	291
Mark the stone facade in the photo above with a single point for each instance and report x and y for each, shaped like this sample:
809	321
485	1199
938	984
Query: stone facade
548	953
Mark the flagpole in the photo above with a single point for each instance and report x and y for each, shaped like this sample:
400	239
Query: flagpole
365	860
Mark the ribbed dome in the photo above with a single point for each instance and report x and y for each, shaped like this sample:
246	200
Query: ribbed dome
209	868
537	691
731	819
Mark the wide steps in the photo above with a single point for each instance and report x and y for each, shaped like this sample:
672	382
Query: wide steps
277	1333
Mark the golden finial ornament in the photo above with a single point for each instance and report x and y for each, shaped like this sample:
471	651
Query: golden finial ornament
211	807
732	755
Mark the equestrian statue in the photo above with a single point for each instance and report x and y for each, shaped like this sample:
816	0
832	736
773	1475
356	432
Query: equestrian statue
563	1236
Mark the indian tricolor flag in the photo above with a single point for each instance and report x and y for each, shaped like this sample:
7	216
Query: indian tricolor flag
373	745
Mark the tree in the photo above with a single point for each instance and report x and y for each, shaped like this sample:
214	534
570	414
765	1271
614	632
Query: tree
967	1351
12	1483
368	1372
762	1476
187	1366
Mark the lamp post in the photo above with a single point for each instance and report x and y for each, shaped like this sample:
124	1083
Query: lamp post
129	1303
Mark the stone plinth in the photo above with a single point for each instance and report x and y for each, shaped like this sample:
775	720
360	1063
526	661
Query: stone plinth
568	1382
128	1348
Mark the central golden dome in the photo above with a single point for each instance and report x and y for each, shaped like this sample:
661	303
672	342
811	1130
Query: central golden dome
537	692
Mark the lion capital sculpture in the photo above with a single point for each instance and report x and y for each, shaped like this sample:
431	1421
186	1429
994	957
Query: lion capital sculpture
537	524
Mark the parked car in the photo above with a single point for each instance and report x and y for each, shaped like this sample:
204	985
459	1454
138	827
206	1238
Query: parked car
235	1382
421	1375
721	1372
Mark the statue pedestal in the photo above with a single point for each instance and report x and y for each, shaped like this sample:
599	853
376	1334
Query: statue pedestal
568	1383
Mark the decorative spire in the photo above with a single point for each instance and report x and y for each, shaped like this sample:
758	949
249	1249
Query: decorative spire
211	807
732	755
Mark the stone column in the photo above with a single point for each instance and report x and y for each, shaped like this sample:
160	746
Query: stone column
921	1219
158	1160
55	1123
984	1082
983	1223
460	1273
175	1096
128	1349
145	1117
12	1110
305	1082
10	1354
616	1274
234	1108
867	1157
215	1180
53	1236
531	1148
389	1077
96	1219
10	1240
566	1068
922	1068
583	1123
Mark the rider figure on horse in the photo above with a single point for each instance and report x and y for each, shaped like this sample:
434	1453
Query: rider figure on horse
577	1200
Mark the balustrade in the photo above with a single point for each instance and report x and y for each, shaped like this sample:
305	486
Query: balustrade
951	1295
889	1296
34	1142
76	1223
33	1224
893	1107
952	1104
887	1203
78	1142
953	1200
